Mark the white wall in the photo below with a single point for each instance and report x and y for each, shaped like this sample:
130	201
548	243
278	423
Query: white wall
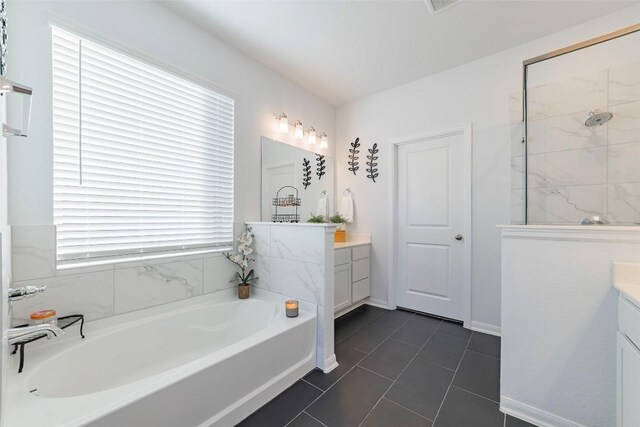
559	322
477	92
148	30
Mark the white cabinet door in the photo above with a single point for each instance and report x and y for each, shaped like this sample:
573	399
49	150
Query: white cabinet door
628	383
342	287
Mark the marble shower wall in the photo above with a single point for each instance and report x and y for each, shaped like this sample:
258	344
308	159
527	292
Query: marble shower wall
103	291
575	171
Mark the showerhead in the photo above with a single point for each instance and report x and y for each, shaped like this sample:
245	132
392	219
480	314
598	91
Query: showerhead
597	119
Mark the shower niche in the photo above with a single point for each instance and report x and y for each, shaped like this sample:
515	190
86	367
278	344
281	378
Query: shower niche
576	135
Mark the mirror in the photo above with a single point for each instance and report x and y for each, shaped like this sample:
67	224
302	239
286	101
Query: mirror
283	166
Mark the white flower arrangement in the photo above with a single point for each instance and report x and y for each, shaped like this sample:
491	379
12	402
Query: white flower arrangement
242	257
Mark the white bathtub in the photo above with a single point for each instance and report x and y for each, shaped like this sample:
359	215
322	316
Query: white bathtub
211	360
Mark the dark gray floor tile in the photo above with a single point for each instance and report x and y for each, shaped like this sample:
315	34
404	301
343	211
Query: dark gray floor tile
371	311
284	407
444	350
515	422
348	324
417	330
455	329
390	358
394	318
465	409
485	344
368	338
479	374
421	387
388	414
349	401
355	320
305	420
347	358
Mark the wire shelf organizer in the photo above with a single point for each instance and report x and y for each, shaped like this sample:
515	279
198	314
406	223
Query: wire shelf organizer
290	201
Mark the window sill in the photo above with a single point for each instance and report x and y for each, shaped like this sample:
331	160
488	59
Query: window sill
136	260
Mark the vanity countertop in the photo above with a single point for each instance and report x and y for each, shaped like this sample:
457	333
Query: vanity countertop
354	239
626	279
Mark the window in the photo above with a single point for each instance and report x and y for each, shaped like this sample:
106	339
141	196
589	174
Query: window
142	159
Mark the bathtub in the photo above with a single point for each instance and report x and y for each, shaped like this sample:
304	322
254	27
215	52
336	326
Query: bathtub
209	360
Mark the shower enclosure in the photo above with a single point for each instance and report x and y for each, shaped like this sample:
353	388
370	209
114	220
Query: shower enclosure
576	146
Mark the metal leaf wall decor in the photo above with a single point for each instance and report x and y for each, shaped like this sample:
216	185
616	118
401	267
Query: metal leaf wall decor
372	170
306	173
3	39
353	156
320	170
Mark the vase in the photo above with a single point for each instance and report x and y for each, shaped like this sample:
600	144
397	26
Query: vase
244	290
341	236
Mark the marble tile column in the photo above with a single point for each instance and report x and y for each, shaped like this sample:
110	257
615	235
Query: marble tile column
296	260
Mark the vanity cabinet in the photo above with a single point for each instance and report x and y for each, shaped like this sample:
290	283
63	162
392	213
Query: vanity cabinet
352	276
628	383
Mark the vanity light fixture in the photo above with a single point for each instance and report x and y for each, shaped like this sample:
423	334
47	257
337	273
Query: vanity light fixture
324	141
311	139
284	123
299	133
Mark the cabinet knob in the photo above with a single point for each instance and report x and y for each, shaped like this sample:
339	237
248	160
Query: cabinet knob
458	236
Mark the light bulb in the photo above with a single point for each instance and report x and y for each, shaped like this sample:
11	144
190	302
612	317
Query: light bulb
312	136
323	140
284	123
299	134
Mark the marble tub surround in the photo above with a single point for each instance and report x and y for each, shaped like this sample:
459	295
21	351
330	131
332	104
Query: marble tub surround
574	171
105	290
626	279
296	260
354	239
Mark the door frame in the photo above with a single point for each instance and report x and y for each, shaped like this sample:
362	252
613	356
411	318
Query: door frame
466	131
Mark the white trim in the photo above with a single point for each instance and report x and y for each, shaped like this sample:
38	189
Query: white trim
467	131
378	303
486	328
534	415
348	309
573	233
331	363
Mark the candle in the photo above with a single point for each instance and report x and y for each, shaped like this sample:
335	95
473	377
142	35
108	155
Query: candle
291	307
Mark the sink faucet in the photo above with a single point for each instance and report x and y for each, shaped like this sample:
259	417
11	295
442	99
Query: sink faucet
15	335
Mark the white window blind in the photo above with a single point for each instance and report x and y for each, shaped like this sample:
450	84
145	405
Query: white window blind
143	159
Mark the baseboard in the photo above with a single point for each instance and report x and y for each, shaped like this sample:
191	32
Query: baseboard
330	364
533	415
486	328
377	303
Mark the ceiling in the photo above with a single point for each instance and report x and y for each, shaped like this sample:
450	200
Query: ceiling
345	50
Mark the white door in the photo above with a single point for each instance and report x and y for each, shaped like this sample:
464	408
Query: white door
433	194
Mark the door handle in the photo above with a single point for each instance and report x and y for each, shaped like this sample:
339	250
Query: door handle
458	237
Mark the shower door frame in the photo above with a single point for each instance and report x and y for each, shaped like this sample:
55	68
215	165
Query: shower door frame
550	55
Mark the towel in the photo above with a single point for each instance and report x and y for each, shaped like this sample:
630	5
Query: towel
346	206
323	206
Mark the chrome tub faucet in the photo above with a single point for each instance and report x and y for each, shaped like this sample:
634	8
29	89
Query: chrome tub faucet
15	335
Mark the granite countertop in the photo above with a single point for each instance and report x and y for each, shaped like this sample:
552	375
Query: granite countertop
354	239
626	279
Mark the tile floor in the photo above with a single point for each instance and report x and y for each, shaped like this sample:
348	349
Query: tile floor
397	369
